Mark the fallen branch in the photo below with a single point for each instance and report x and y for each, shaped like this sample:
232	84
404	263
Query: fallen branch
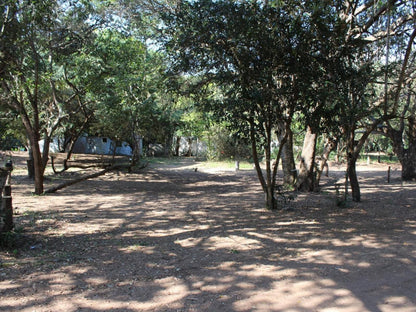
87	177
91	176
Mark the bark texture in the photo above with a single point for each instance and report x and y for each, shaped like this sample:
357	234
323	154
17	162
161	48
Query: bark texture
352	176
306	178
288	161
406	156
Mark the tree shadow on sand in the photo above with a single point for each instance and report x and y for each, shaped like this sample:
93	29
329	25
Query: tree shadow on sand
195	241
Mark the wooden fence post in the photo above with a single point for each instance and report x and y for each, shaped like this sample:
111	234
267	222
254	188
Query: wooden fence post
6	208
388	174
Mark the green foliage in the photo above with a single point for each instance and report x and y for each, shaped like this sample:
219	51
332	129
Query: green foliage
256	55
37	37
256	67
124	80
223	144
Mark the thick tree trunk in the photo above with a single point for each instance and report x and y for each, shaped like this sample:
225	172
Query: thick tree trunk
352	176
45	153
136	149
409	166
409	154
306	178
271	203
37	166
406	156
288	160
33	135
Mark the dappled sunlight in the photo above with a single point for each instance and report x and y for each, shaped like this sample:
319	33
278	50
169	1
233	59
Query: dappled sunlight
233	243
394	303
138	248
307	296
189	242
328	257
172	291
193	241
8	285
96	281
296	222
89	226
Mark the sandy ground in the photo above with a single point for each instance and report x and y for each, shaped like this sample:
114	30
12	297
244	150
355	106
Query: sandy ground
168	238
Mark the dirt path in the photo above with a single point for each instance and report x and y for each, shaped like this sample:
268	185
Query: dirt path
172	239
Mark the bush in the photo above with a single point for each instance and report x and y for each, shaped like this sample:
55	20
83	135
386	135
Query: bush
223	145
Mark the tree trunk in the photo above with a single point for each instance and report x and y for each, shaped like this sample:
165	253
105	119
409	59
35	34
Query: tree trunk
271	203
353	152
306	178
409	166
177	145
352	175
76	136
406	156
45	153
328	148
37	166
267	186
288	160
137	141
70	147
409	155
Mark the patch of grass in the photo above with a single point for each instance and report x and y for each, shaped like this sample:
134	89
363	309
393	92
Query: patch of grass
163	160
208	164
227	164
382	158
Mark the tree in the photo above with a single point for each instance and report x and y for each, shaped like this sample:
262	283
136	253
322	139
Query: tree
35	36
371	24
402	131
252	51
347	60
128	89
324	37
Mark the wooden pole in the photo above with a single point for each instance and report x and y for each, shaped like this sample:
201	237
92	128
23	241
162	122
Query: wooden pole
7	208
388	174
